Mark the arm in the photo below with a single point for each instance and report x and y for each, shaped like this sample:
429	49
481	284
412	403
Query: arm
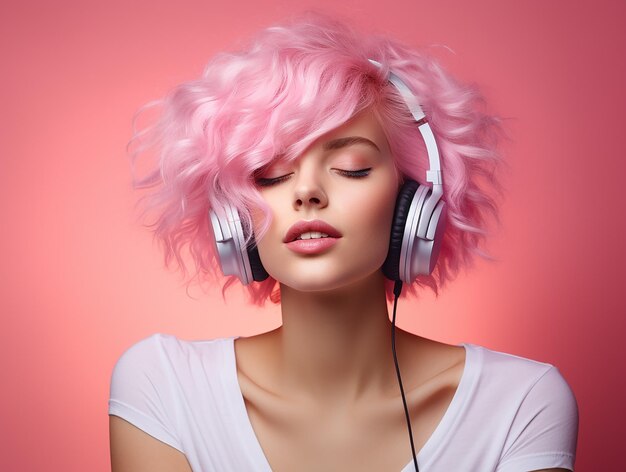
133	450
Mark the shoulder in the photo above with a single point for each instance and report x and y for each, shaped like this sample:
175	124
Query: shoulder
500	371
164	348
532	402
160	358
154	377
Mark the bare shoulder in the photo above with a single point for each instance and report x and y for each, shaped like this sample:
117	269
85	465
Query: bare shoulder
256	361
134	450
428	359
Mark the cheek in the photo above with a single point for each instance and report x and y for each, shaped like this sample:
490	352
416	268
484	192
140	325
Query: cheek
266	243
258	218
263	215
377	208
382	214
382	201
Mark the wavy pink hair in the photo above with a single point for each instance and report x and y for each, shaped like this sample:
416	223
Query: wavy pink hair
290	85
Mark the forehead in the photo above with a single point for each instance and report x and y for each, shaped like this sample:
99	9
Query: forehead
363	131
363	128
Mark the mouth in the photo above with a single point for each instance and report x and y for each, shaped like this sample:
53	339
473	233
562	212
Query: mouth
307	230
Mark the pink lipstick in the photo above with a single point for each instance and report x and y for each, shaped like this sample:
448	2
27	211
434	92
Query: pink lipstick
311	237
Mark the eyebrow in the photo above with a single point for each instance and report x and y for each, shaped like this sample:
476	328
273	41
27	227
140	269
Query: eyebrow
348	141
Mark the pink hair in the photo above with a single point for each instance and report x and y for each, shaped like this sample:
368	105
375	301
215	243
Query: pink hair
292	84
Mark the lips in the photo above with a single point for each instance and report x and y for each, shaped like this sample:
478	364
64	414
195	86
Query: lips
307	226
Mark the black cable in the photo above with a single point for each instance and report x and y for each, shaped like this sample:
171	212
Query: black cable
397	288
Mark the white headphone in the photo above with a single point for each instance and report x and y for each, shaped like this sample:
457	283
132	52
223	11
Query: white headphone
418	226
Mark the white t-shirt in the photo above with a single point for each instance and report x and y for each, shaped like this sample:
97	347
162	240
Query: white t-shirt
509	414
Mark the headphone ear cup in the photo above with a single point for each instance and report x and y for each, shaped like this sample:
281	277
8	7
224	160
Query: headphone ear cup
391	266
409	253
256	266
428	248
234	257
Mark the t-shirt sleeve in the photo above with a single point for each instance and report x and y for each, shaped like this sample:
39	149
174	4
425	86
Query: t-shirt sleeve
545	429
140	392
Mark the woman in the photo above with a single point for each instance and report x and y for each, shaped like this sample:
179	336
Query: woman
305	168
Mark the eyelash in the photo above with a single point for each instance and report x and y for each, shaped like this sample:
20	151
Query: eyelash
353	174
263	182
356	174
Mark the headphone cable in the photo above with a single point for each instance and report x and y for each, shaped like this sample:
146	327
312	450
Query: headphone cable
397	288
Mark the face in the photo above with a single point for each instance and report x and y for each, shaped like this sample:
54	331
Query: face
343	186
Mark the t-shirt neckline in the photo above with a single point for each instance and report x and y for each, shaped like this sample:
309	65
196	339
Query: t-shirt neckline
461	397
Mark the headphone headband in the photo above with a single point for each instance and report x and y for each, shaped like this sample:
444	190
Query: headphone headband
433	175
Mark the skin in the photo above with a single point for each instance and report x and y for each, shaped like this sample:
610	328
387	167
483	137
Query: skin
325	380
321	391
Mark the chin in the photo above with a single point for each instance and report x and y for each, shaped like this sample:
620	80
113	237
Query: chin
328	282
308	287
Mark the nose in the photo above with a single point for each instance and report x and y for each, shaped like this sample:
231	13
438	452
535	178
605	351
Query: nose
309	190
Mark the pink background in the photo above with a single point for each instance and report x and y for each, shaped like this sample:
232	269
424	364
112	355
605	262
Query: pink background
81	281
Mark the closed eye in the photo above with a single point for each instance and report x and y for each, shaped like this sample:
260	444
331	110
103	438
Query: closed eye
355	173
268	182
265	182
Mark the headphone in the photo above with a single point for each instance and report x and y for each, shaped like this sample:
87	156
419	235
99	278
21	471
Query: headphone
417	229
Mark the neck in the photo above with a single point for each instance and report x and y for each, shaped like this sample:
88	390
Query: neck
335	347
